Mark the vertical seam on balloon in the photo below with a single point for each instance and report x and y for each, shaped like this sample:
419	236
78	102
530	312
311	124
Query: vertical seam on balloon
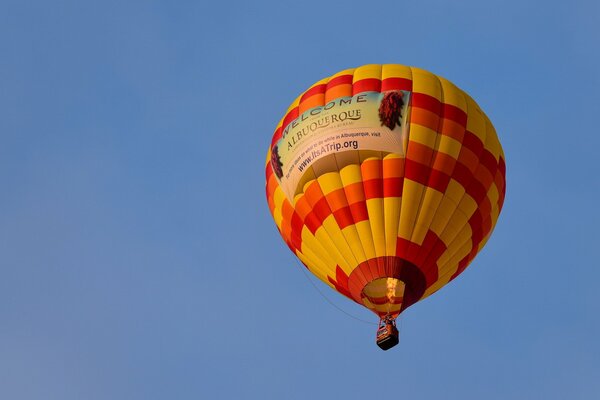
475	181
356	266
361	161
436	147
449	245
353	221
452	242
426	268
487	145
351	217
329	235
307	247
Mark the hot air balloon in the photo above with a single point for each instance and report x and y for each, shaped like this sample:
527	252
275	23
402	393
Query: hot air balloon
385	181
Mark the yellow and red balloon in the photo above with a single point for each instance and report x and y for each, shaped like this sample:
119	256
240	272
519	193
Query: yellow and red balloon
389	228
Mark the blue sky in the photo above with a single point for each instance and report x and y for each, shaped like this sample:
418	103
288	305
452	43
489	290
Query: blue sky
138	259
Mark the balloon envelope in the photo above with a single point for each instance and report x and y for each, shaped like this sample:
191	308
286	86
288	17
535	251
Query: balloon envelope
385	181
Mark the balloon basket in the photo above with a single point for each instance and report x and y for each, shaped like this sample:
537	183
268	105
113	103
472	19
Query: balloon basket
387	333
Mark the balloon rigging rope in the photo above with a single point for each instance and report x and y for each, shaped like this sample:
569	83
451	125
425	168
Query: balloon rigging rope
302	267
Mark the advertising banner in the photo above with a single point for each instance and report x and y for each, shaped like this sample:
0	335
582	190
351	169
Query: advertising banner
367	121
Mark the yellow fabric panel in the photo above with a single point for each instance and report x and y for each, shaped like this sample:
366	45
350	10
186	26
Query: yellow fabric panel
319	273
442	215
475	120
336	235
426	82
278	199
278	218
310	244
459	241
323	247
492	143
493	195
327	241
423	135
329	182
366	238
431	201
309	259
455	191
467	205
453	95
450	146
366	72
495	213
353	239
448	270
411	199
454	226
395	71
350	174
391	212
460	253
375	210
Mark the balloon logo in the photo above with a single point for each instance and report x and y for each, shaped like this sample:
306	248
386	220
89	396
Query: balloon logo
385	181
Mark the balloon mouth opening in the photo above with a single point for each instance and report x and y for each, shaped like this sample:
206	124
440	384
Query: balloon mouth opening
384	296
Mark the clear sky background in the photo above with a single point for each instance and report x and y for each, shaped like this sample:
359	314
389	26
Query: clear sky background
138	259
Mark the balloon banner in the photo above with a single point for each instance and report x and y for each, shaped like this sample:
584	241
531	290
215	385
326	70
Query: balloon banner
370	120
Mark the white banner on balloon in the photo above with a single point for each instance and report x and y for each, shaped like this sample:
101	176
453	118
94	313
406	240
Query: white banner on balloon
367	121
